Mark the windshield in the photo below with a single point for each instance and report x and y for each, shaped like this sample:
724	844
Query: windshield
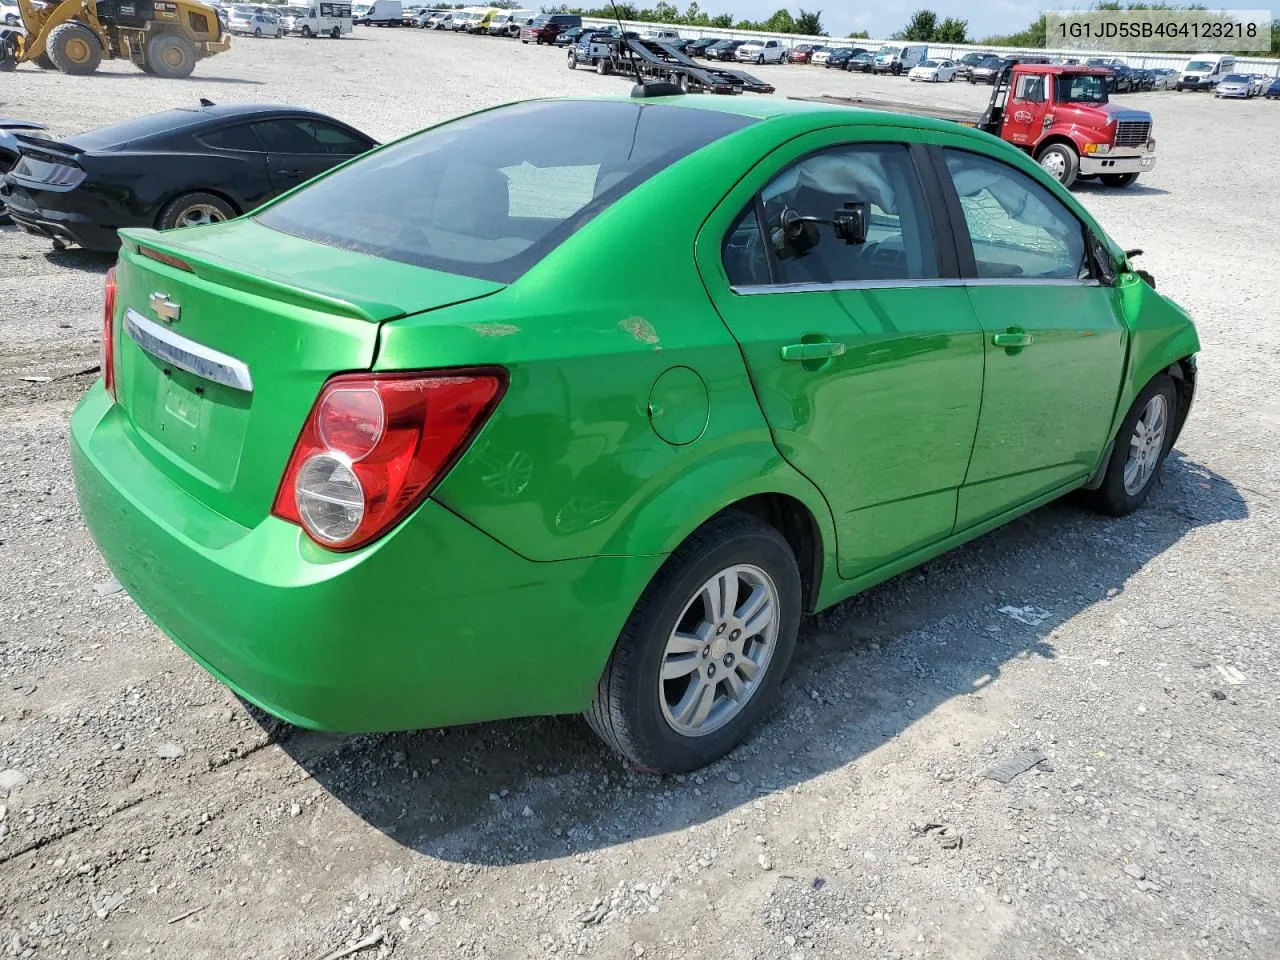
1080	88
970	59
1236	78
491	194
929	63
1201	66
889	50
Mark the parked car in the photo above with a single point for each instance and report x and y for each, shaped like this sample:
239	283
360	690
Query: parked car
987	70
761	51
841	57
802	52
1260	83
179	168
698	48
1166	78
255	24
547	26
864	62
440	21
933	71
10	14
1273	91
662	35
1235	86
899	58
965	65
821	55
9	148
723	50
658	520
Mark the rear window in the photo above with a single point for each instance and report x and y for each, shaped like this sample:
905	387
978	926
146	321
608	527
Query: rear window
490	195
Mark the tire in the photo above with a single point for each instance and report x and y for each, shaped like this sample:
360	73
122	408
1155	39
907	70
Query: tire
146	68
1060	162
760	59
44	63
177	211
74	49
573	62
335	33
633	710
306	32
171	56
1117	179
1116	496
257	32
604	67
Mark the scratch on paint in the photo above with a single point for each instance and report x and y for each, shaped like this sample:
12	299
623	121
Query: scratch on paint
494	329
640	328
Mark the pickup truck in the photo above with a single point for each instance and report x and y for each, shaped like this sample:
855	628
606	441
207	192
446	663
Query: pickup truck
1062	116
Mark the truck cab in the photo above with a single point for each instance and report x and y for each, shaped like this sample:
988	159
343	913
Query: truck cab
1063	117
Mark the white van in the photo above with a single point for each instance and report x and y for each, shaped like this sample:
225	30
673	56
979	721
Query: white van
898	58
507	23
664	35
324	19
381	13
1204	70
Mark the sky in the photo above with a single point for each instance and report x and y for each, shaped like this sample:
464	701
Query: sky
842	17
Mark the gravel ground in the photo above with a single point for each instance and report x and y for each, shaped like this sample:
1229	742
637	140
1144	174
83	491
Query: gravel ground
145	811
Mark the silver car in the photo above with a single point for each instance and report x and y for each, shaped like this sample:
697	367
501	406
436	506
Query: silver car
1238	86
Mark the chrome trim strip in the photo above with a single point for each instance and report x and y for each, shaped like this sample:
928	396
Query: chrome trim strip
163	344
755	290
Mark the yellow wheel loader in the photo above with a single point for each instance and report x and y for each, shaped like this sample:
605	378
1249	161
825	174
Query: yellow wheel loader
163	37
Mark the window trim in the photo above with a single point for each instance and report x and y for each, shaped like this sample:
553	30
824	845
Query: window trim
931	195
964	241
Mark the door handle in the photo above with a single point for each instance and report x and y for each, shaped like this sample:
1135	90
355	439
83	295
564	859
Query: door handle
290	173
823	350
1012	339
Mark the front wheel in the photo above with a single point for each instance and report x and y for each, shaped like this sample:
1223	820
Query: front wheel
1118	179
336	33
306	33
573	62
1060	162
171	56
704	652
1142	443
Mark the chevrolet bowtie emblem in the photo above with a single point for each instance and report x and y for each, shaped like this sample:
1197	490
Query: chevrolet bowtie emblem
164	308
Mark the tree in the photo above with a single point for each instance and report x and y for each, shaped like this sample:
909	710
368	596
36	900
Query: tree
723	21
860	35
780	22
951	30
809	23
920	27
1032	36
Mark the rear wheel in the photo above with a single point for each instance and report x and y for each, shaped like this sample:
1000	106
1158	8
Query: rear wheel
171	56
74	49
604	67
703	654
1142	443
336	33
573	62
194	210
1060	162
1118	179
306	33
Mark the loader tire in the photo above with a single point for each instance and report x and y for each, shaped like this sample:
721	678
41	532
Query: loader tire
171	56
43	62
74	49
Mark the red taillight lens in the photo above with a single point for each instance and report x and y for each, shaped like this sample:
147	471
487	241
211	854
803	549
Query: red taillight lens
108	325
375	444
167	259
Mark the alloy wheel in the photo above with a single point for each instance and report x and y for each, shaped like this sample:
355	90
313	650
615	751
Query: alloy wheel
199	215
1146	444
717	656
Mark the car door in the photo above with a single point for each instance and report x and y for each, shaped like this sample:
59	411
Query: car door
299	148
1055	335
866	359
1024	113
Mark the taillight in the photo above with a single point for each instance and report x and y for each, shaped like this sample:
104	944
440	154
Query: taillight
167	259
375	444
108	325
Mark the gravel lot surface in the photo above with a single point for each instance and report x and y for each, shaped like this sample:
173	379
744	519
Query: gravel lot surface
145	811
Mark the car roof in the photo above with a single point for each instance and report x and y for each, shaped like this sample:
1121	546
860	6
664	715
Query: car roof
179	120
778	108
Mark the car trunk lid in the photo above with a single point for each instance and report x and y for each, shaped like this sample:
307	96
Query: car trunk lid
225	335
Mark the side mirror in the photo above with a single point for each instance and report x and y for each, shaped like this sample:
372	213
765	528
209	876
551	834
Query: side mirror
1146	275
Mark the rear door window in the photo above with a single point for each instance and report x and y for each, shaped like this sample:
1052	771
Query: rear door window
239	138
491	194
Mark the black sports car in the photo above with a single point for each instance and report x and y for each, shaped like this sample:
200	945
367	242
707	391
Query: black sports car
9	130
180	168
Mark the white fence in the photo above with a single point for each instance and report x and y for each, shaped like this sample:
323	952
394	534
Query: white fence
1146	60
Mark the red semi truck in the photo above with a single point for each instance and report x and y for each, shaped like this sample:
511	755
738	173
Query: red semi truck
1062	116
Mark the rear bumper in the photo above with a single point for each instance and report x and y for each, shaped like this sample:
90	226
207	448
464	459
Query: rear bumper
435	624
1092	164
61	225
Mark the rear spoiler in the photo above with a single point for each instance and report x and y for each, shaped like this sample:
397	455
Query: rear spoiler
45	145
8	123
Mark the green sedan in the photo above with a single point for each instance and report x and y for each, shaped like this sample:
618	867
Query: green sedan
378	459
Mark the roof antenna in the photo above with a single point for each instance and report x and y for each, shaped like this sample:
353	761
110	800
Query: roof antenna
205	102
